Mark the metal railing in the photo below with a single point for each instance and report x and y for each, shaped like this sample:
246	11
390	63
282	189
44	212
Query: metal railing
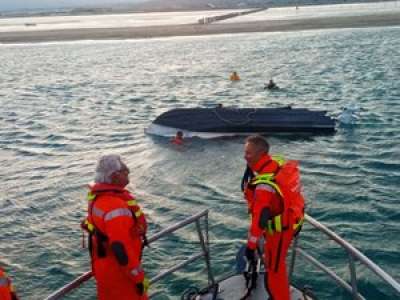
353	256
204	243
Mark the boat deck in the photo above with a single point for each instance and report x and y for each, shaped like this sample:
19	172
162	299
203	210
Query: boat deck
234	288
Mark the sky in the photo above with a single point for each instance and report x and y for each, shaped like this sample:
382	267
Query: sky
15	5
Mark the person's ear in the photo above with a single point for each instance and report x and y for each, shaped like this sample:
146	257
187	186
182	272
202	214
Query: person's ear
114	178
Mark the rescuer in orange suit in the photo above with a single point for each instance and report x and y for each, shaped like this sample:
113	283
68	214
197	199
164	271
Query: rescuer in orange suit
6	289
117	229
264	203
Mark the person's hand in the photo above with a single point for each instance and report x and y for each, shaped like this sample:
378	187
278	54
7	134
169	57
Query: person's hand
14	296
250	254
143	286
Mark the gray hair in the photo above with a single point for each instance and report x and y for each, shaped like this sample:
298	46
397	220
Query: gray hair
106	166
259	141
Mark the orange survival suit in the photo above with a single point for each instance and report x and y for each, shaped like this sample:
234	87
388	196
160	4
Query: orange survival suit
6	288
177	141
268	219
116	227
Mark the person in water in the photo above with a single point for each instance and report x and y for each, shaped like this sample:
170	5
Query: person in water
234	76
6	288
270	215
117	233
178	139
270	85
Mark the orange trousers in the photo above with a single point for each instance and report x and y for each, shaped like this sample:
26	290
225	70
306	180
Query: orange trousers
275	250
112	283
5	294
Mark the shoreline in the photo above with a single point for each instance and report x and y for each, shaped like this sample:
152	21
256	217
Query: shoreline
373	20
92	10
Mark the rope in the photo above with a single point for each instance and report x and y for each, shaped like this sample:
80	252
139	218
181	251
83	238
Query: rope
248	120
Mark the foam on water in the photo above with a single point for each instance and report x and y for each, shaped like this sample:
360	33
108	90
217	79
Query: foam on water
63	105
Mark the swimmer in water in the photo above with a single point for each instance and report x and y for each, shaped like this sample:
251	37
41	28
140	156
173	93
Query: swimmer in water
178	139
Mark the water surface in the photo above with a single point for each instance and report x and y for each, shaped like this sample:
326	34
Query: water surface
65	104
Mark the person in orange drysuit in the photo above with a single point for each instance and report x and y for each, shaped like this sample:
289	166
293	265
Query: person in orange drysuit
6	289
264	203
117	229
178	139
234	76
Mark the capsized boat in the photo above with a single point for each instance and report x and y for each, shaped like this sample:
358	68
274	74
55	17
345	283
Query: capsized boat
212	122
232	286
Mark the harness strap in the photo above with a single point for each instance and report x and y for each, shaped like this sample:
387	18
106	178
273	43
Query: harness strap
275	225
267	178
132	202
91	196
93	230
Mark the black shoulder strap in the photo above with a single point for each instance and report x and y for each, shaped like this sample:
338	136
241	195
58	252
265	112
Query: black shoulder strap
247	177
100	236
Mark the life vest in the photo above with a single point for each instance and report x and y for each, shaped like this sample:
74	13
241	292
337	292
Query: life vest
139	220
234	77
286	182
177	141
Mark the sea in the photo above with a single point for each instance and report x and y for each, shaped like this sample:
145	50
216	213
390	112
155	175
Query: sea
64	104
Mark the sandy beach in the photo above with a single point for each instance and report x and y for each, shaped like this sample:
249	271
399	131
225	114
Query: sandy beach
373	20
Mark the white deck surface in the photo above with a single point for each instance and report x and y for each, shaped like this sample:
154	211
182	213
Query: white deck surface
233	288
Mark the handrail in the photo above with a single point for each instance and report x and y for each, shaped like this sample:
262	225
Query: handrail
356	253
353	253
77	282
341	282
205	253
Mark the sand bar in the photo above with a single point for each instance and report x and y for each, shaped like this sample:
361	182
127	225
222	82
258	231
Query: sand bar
373	20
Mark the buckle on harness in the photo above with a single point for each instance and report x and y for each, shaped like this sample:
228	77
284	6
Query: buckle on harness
275	225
